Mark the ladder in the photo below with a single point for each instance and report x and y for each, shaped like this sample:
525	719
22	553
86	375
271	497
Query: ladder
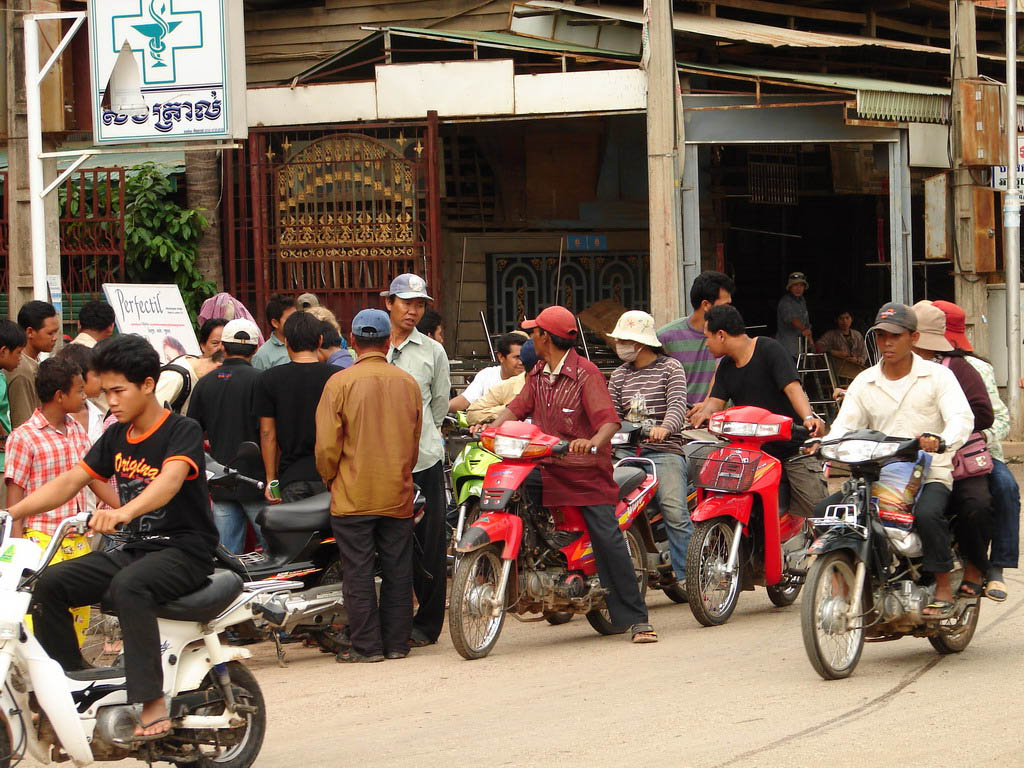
818	380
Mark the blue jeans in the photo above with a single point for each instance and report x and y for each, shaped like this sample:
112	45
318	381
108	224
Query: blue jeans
230	518
671	500
1006	516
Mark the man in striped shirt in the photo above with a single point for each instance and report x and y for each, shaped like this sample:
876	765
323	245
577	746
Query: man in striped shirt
684	339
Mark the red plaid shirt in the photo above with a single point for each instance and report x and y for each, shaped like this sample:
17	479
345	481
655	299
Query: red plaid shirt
36	454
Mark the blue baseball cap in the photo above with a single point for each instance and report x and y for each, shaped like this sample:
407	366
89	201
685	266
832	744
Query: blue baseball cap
408	286
372	324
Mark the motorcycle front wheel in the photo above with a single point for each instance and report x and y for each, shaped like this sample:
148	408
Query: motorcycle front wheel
711	590
473	627
238	747
600	618
832	646
956	634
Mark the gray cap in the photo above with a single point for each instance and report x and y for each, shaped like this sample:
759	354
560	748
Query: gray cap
408	286
307	300
895	318
372	324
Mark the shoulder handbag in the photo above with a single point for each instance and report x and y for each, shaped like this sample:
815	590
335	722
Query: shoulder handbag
972	459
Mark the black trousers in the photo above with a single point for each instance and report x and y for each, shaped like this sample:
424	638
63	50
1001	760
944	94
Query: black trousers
138	582
430	561
930	522
301	489
384	627
614	568
971	514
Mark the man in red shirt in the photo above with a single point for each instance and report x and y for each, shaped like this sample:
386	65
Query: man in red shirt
567	397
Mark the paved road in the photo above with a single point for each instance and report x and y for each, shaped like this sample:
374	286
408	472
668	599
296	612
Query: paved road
739	695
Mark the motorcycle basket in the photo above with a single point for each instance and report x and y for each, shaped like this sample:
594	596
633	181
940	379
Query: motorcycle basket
727	469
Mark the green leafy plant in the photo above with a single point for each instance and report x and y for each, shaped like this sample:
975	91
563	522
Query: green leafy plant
161	237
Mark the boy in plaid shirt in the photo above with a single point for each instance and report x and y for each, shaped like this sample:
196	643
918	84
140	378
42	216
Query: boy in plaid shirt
46	446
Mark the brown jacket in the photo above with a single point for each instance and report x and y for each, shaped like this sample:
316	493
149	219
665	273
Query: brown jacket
21	390
368	428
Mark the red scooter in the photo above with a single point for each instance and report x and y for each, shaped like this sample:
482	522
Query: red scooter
741	536
520	557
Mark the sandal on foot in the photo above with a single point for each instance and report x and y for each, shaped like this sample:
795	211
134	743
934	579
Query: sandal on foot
643	633
995	590
137	738
352	656
970	590
944	609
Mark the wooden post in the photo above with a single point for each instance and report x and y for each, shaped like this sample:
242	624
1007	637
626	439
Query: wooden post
663	181
970	287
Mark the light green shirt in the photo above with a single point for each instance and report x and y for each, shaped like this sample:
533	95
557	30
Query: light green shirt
272	354
426	361
5	416
1000	428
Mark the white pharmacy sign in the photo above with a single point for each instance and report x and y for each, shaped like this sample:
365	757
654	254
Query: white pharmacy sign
999	171
180	65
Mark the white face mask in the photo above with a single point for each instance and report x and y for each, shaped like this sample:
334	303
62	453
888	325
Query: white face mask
626	351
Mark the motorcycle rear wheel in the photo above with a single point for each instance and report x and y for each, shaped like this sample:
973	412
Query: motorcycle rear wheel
244	753
600	618
473	630
712	593
833	648
329	638
956	639
783	596
556	618
676	593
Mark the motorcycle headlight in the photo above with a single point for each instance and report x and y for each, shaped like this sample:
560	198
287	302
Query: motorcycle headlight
856	451
743	428
510	447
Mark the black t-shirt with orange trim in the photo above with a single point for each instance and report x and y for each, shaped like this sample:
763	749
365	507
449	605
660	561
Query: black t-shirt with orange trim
134	460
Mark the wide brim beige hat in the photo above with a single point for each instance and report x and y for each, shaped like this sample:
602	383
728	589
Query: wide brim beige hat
931	327
636	326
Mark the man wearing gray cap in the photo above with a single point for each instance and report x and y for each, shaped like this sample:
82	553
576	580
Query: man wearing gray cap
370	478
907	396
425	360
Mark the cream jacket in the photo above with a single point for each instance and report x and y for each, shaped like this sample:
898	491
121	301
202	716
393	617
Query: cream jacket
933	403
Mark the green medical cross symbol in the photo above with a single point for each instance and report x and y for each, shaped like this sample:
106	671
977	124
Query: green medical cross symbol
158	33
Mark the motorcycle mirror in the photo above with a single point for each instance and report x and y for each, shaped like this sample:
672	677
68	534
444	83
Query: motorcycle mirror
247	451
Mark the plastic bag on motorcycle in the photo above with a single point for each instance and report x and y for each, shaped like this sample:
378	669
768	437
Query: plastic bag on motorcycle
895	493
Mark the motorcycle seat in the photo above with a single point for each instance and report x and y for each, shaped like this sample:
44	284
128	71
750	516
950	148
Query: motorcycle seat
206	602
312	514
628	479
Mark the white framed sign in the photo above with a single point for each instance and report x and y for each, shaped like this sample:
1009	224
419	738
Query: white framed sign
156	312
185	57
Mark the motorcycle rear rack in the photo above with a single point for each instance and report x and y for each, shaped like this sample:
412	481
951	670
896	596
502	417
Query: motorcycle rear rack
841	515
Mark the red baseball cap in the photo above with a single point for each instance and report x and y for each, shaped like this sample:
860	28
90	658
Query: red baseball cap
558	321
955	325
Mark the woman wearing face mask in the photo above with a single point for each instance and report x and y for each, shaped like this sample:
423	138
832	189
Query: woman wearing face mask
649	388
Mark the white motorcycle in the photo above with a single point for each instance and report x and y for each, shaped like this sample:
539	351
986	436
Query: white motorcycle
218	716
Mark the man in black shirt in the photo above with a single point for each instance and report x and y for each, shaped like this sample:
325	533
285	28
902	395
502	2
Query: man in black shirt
166	546
761	372
286	400
224	404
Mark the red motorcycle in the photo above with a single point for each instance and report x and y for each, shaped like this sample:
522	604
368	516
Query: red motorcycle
520	557
743	534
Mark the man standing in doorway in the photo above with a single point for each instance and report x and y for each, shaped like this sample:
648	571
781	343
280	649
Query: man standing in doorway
41	325
792	318
425	360
275	352
684	339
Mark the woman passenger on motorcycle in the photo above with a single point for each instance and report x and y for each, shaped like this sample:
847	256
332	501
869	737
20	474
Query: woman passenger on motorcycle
650	388
970	505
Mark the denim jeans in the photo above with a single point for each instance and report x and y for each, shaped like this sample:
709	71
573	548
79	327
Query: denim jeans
1005	516
230	518
671	500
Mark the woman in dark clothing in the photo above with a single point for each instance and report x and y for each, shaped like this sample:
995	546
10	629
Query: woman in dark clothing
970	504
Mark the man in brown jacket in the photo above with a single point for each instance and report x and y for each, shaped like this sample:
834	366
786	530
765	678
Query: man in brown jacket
367	439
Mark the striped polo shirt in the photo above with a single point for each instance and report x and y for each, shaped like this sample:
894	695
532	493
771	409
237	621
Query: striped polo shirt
687	345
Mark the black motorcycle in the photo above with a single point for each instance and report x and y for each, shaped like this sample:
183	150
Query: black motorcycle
866	583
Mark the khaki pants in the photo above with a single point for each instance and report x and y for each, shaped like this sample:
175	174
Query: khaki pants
807	484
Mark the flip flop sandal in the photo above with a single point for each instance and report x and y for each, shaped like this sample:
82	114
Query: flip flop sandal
355	657
643	633
142	738
970	590
995	590
944	607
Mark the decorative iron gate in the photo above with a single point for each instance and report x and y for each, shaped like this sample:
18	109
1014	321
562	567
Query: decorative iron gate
92	238
520	285
335	212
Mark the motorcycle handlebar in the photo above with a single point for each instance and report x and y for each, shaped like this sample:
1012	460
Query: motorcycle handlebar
800	432
560	448
259	485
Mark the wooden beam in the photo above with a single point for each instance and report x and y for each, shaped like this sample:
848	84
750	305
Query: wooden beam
782	9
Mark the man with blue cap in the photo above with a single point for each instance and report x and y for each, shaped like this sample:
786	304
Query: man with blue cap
426	361
370	478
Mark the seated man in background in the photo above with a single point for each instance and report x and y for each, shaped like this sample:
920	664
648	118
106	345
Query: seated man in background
508	349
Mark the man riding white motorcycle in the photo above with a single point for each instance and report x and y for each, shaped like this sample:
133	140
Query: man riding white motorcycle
906	396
